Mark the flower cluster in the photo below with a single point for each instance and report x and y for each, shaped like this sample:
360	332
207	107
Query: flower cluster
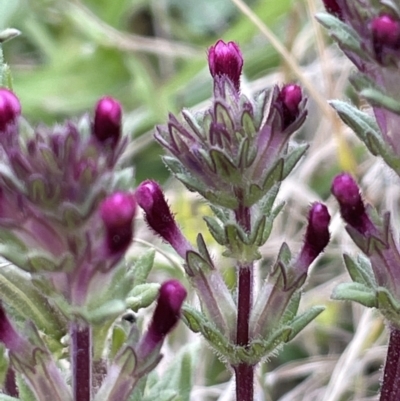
65	227
235	154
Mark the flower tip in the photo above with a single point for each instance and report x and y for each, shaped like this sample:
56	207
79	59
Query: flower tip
172	293
226	59
386	31
107	120
288	102
117	212
346	190
319	217
10	107
147	194
291	96
118	209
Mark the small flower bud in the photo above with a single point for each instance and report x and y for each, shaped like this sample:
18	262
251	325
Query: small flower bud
352	208
117	212
386	30
159	217
289	98
317	234
226	59
107	120
10	108
385	33
165	317
333	7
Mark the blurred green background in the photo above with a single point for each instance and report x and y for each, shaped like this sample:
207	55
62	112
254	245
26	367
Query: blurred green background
149	54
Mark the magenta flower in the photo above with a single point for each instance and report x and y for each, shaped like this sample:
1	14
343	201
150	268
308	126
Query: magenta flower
10	108
117	212
226	59
165	317
352	207
107	120
158	216
317	235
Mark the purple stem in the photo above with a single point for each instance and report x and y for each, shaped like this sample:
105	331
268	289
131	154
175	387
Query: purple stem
244	372
81	360
390	390
10	384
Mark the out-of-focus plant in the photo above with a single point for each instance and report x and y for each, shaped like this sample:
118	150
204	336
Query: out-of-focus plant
368	32
236	154
66	223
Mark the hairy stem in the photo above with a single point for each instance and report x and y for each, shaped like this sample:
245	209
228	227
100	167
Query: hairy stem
81	361
390	390
244	373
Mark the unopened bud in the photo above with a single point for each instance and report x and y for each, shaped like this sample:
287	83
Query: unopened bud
117	212
352	207
10	108
107	120
317	234
226	59
385	33
289	98
165	317
151	199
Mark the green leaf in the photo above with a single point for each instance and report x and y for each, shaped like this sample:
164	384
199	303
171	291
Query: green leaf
143	266
301	321
118	339
142	296
18	291
216	230
292	158
355	292
360	271
342	33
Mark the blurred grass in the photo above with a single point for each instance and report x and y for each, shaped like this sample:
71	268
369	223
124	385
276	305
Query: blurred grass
151	55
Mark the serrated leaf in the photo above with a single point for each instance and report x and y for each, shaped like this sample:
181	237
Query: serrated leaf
174	165
355	292
225	168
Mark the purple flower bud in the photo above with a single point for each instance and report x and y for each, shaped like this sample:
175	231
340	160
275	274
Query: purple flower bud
352	208
107	120
289	99
386	30
385	34
117	212
10	108
159	217
226	59
333	7
165	317
317	234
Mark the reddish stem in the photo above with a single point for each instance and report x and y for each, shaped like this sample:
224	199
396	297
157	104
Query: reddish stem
81	360
244	372
390	390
